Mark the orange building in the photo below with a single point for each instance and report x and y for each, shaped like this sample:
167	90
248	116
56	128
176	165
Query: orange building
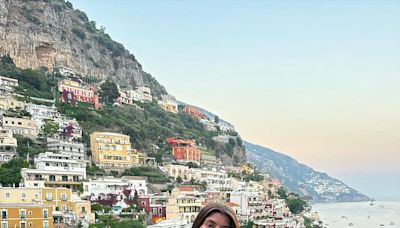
26	215
184	150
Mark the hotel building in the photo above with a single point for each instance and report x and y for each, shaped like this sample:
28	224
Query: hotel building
112	150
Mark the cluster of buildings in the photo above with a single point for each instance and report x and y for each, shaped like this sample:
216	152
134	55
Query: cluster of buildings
58	192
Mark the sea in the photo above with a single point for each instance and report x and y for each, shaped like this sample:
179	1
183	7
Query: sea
382	214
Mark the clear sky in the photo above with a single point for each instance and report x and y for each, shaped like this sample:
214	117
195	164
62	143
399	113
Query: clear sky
317	80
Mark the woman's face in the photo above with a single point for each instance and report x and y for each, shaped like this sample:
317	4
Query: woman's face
216	220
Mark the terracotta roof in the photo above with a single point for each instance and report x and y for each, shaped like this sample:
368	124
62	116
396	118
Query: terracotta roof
185	188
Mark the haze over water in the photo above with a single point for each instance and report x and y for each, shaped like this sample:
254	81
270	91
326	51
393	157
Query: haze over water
360	214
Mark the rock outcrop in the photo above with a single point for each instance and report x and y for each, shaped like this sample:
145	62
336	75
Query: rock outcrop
51	34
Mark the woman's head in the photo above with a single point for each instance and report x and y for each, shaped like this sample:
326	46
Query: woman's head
216	215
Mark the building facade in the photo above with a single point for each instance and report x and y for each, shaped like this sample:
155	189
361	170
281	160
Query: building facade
24	215
184	150
8	145
112	150
20	126
55	170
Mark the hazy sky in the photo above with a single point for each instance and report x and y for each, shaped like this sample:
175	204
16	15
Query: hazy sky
319	81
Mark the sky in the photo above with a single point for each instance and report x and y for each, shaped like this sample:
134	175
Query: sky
316	80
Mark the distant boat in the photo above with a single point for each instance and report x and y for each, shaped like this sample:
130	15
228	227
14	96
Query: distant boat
392	223
372	202
351	224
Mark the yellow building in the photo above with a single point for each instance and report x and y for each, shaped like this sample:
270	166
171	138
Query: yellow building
63	202
247	169
57	198
169	103
184	203
24	215
112	150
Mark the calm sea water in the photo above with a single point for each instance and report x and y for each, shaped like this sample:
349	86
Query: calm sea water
381	214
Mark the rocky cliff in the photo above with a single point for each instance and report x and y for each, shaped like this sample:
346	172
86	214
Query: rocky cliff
51	34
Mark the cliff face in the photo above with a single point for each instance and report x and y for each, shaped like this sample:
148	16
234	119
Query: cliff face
51	34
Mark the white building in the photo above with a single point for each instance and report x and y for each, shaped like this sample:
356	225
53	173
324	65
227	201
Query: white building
55	170
137	183
140	94
250	202
77	150
100	188
7	84
41	113
217	180
8	145
176	171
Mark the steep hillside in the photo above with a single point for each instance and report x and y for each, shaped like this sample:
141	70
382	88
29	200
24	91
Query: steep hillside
300	178
51	34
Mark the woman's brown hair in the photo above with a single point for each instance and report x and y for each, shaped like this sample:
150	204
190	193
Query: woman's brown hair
216	208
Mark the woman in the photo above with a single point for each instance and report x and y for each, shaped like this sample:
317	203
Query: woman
216	215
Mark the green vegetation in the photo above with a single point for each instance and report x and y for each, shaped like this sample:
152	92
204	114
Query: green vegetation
308	223
93	170
154	175
49	128
79	32
35	83
108	221
254	177
10	172
25	145
296	205
108	92
29	15
282	193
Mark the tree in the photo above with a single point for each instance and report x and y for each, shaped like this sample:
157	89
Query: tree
10	172
216	119
50	128
192	165
114	173
179	179
282	193
109	91
296	205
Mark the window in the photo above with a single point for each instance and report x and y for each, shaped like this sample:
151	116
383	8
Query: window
23	195
23	224
83	209
22	214
45	224
45	213
3	214
63	196
4	225
49	196
8	195
30	224
63	207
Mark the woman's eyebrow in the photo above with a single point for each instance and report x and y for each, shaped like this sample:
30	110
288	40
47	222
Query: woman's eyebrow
209	220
